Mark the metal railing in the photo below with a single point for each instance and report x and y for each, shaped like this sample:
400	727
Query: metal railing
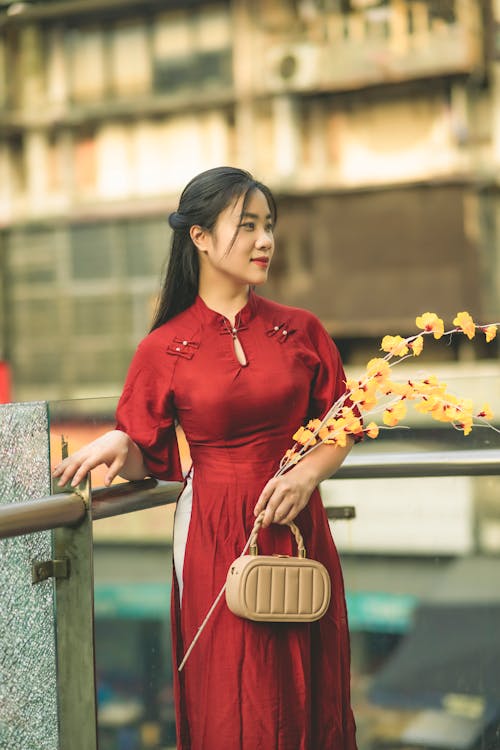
71	512
68	508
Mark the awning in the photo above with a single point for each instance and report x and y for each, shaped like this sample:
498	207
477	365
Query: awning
452	650
137	601
447	668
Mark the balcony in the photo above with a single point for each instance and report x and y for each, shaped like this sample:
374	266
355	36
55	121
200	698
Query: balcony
420	562
381	43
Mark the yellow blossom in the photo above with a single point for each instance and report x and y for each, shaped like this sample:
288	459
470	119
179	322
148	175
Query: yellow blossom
466	425
404	390
486	412
314	424
430	385
365	394
466	324
378	368
427	404
304	436
491	332
393	414
431	323
417	345
395	345
340	439
352	384
353	422
338	434
372	430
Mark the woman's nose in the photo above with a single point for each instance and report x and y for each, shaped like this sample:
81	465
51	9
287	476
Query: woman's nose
264	240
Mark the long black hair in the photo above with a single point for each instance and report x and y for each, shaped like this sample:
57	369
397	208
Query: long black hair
201	202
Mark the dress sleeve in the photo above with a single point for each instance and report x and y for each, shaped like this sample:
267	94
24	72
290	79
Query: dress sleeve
146	413
329	382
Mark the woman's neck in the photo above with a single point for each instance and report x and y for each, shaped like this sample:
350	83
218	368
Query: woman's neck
226	302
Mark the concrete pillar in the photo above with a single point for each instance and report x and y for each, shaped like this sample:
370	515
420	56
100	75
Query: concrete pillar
286	136
5	186
36	170
3	73
57	67
32	67
244	50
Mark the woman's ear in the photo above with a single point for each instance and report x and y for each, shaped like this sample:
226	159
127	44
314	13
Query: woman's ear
200	237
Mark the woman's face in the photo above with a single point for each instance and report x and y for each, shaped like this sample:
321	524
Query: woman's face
239	248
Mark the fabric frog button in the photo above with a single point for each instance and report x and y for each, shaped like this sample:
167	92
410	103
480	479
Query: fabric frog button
182	348
281	331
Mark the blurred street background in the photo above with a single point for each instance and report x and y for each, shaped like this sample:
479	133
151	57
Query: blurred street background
377	125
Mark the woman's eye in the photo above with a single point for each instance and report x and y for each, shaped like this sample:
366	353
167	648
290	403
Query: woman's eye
270	228
248	225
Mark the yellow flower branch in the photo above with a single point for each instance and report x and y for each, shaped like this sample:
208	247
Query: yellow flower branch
376	393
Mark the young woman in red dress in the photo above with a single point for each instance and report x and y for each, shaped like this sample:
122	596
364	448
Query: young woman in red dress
240	374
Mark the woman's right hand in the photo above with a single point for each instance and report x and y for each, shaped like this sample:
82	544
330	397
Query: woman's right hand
115	449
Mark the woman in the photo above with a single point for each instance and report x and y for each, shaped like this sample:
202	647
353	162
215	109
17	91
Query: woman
240	374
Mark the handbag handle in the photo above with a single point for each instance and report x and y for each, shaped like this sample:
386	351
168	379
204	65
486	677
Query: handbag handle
252	547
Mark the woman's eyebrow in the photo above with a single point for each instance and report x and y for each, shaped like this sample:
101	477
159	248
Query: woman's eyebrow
254	216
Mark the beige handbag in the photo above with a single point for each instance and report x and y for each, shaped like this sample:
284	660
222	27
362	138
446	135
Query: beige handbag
277	588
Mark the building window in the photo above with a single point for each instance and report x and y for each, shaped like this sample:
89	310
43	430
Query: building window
87	65
91	247
145	246
130	59
85	161
193	50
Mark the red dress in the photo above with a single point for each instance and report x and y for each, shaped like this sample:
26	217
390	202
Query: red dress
246	686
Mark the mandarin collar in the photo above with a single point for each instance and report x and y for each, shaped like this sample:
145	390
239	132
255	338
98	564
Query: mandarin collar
243	316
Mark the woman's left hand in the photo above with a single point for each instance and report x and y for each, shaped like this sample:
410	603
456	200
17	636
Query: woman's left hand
284	497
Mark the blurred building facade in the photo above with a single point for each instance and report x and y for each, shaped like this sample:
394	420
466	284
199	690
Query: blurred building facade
375	122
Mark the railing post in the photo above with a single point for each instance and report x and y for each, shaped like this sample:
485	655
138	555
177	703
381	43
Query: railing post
76	682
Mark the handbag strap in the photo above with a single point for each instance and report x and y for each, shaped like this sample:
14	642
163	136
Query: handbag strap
253	549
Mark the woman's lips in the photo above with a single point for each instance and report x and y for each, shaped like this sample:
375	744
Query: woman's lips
264	262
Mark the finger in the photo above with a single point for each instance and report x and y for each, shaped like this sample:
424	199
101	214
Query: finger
66	474
283	512
272	507
264	497
289	517
61	466
113	471
82	471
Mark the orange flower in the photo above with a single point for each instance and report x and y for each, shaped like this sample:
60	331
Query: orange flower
431	323
466	324
417	345
466	425
304	436
393	414
353	423
378	369
313	424
372	430
486	412
430	385
394	345
365	395
491	332
404	390
338	434
323	434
